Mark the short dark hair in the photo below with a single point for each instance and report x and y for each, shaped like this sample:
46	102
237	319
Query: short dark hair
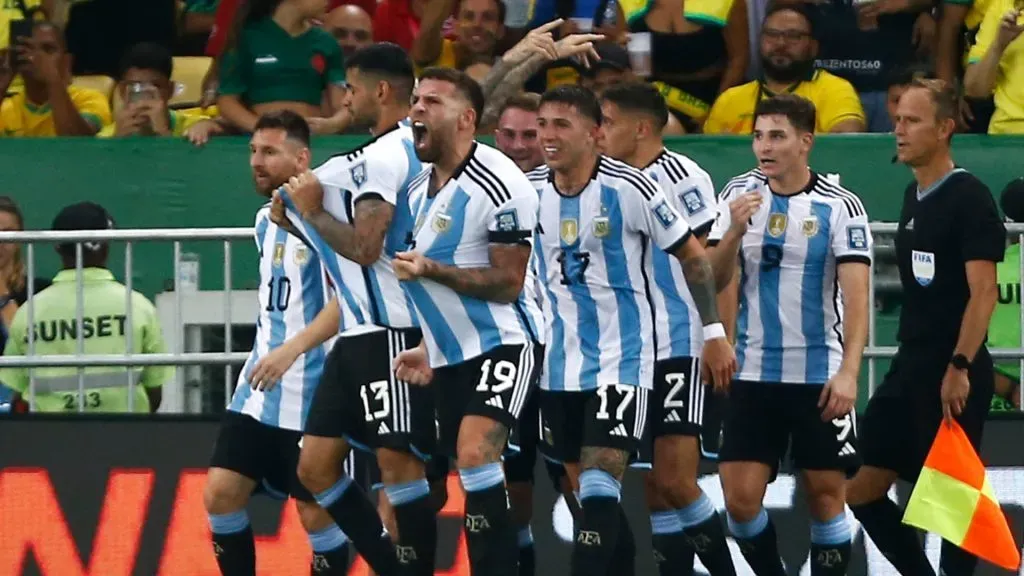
582	99
798	110
796	7
905	75
294	125
147	56
464	85
639	97
527	101
388	61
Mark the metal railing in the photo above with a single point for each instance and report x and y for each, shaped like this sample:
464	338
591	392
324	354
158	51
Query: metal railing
179	358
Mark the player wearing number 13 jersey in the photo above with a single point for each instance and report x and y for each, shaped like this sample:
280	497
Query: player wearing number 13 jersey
803	249
598	217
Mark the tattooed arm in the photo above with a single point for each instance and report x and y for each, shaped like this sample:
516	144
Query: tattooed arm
502	281
506	84
362	241
700	278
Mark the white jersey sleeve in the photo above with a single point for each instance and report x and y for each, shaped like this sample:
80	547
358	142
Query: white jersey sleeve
688	187
651	214
379	175
851	237
515	219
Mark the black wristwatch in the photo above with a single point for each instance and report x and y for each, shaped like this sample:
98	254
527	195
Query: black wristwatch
960	362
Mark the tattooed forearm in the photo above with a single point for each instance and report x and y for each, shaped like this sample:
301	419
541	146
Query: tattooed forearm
495	76
509	84
502	281
700	278
610	460
362	242
493	443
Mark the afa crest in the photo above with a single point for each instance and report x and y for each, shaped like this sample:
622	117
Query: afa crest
809	226
602	226
442	222
358	173
301	255
278	258
569	230
777	224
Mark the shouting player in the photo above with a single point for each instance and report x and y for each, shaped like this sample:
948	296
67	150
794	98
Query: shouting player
258	443
596	216
803	249
468	263
683	519
348	211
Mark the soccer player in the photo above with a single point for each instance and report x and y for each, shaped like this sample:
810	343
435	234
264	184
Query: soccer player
353	211
683	519
803	249
466	270
596	216
258	442
949	240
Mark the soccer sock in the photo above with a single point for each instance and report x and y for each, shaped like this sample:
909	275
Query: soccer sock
671	552
353	512
490	536
417	526
955	560
233	543
599	527
882	520
624	560
758	544
527	555
830	546
706	536
330	552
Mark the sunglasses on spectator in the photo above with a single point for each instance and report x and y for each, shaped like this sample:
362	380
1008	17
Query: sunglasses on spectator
787	35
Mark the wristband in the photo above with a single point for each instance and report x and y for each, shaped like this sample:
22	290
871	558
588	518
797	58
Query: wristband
712	331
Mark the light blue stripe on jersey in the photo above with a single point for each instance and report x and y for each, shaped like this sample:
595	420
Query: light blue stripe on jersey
556	345
812	296
312	303
630	342
278	332
434	321
243	394
768	295
444	246
742	317
587	329
675	306
403	221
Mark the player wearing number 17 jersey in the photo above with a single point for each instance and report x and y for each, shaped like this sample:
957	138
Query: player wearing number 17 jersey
803	249
598	217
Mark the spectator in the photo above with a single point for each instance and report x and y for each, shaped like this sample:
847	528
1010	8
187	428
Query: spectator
280	61
49	105
788	50
144	86
398	21
196	20
699	49
900	80
863	42
516	135
613	67
959	21
351	26
997	66
1004	328
480	27
104	328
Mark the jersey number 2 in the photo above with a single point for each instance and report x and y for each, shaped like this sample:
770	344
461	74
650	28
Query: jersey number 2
280	293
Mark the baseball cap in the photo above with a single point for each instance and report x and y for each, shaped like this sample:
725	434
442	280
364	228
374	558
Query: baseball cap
613	57
1012	200
83	216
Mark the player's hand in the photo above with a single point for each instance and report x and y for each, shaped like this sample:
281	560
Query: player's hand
413	367
719	363
955	388
742	209
306	192
269	370
538	41
278	213
838	396
579	46
410	265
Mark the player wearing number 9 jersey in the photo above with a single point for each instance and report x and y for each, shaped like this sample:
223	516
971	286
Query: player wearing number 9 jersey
598	217
803	249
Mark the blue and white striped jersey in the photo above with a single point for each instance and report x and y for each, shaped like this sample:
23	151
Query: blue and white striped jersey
690	191
591	254
381	168
790	322
293	290
487	200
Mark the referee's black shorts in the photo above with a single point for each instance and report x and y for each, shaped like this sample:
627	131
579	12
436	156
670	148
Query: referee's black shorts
904	414
360	399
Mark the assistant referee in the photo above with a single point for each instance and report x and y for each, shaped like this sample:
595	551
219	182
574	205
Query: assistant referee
949	240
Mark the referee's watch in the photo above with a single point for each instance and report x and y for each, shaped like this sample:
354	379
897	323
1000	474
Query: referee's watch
960	362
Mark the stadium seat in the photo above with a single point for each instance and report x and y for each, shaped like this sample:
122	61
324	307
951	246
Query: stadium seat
188	75
104	84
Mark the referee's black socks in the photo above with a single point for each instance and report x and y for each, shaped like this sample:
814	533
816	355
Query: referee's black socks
330	552
758	543
357	516
417	526
898	542
490	535
830	546
596	539
233	543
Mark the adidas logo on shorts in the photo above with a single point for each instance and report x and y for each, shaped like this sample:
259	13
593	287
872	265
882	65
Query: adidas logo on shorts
620	431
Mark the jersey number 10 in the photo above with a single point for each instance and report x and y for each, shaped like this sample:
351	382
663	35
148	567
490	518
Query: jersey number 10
280	293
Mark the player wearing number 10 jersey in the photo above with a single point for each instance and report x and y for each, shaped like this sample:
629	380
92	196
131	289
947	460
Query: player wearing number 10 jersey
598	217
803	248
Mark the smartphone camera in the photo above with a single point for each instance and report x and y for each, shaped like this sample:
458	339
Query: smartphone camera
18	32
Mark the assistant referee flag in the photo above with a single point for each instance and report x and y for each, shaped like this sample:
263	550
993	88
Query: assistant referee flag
954	499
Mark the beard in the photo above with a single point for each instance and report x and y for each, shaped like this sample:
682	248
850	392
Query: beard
792	72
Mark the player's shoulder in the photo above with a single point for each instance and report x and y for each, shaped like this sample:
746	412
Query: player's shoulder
838	195
680	167
626	178
539	175
738	184
263	215
490	171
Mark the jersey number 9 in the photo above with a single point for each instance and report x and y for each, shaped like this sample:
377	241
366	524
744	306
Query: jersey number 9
771	256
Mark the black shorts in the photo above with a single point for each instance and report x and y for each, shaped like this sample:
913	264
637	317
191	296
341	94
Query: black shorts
266	454
763	419
522	459
610	416
360	399
907	407
495	385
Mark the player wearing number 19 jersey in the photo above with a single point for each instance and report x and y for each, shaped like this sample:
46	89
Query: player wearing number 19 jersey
803	248
598	217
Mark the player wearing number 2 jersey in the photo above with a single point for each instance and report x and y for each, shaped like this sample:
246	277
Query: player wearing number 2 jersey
803	248
683	519
598	217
